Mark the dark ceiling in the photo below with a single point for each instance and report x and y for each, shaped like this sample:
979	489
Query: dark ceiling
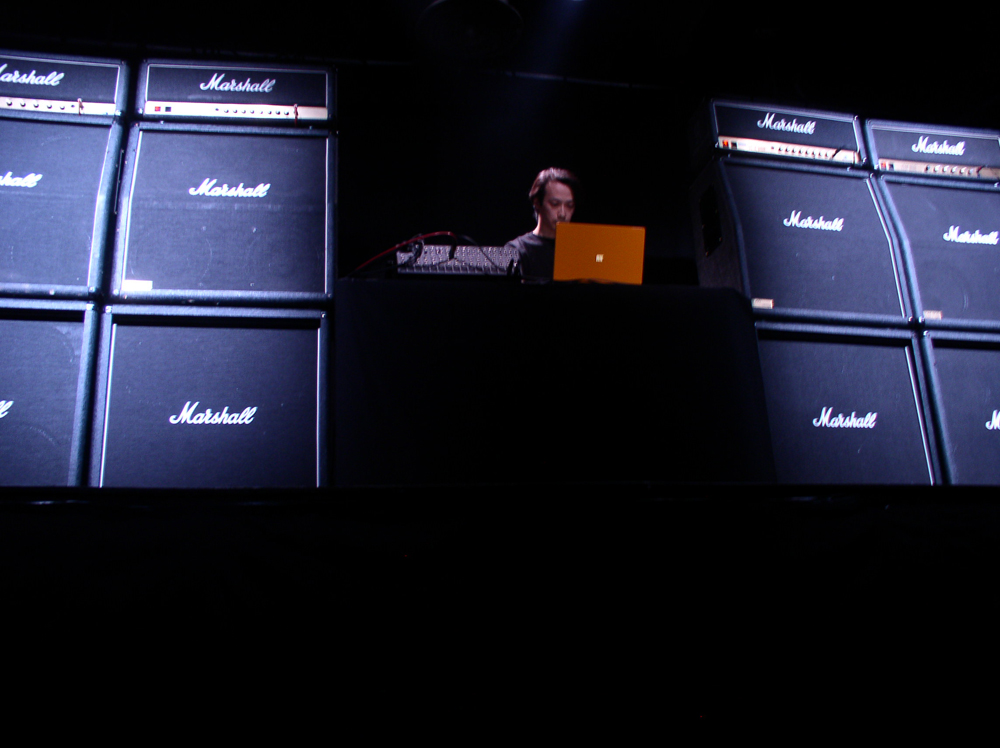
886	63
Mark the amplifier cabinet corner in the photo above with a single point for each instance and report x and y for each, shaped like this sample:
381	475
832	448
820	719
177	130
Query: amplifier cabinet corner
46	371
210	398
226	214
846	405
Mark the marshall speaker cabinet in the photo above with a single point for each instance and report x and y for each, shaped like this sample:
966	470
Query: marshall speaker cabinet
225	213
846	405
801	241
950	233
210	398
176	90
778	132
55	84
964	371
57	181
46	369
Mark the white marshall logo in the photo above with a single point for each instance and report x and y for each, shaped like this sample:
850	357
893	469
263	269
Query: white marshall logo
840	421
218	83
52	79
768	123
28	180
208	417
922	146
796	220
208	188
994	423
5	407
975	238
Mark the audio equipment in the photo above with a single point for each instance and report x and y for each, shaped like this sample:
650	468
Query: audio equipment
57	181
950	232
780	132
225	213
934	151
33	83
964	371
806	242
846	405
46	369
438	260
210	398
175	90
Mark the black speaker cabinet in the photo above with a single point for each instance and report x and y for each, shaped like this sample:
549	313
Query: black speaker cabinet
846	405
950	232
210	398
57	181
965	374
198	90
801	242
230	214
46	370
933	151
32	83
778	132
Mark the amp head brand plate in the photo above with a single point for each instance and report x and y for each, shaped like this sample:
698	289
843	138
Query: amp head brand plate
209	402
54	84
228	91
787	133
235	212
55	183
934	151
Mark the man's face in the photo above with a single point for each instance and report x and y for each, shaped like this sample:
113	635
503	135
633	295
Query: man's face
557	206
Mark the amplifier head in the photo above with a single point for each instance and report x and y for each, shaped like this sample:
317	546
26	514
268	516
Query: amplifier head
784	133
210	398
934	151
228	91
32	83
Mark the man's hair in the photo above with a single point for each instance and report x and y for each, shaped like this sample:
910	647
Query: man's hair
552	174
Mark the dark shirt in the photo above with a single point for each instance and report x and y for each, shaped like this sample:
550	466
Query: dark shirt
536	255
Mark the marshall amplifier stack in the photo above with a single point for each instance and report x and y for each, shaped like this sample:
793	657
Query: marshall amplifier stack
789	212
212	359
60	141
181	343
939	185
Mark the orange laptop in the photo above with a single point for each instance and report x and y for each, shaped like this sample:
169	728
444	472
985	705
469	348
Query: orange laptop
595	252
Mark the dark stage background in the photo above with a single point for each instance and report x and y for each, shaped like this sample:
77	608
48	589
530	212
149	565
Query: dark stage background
614	607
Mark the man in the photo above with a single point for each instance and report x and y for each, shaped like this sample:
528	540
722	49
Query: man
553	198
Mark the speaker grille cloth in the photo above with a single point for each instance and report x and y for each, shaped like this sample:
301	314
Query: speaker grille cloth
39	371
275	242
46	229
